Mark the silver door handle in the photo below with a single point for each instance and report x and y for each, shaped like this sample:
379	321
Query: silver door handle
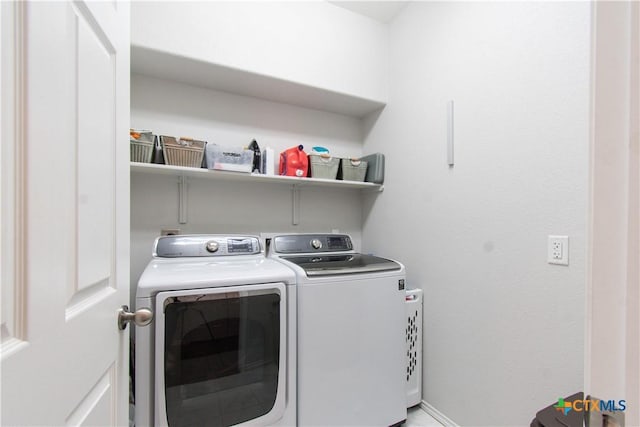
141	317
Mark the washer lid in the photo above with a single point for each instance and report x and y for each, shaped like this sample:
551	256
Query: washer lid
329	265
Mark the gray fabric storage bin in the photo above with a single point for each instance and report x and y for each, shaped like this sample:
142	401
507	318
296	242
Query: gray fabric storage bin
324	167
375	168
353	169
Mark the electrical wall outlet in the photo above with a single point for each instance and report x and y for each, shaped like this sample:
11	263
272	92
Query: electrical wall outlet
558	250
169	231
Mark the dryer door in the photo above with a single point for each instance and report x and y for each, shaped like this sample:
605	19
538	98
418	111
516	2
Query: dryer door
220	355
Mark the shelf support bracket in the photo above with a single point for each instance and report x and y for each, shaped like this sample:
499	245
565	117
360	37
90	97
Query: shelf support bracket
295	205
182	200
450	134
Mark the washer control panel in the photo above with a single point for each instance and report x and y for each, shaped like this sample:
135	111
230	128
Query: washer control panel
212	246
316	244
309	243
205	246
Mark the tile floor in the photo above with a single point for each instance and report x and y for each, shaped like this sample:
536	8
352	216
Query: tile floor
416	417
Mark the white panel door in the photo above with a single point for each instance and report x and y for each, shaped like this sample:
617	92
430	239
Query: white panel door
65	212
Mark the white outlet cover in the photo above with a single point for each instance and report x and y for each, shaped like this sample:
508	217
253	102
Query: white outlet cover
558	250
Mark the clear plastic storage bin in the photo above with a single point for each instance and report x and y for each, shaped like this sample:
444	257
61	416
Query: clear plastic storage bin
324	166
235	160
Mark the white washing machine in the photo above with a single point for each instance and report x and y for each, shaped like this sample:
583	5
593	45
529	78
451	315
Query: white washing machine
351	332
221	349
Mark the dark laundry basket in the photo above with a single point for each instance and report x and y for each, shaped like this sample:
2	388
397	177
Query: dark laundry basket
551	417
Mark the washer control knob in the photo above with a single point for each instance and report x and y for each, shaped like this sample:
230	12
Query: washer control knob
316	244
212	246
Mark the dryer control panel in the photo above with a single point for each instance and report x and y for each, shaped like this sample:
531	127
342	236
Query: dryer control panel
205	245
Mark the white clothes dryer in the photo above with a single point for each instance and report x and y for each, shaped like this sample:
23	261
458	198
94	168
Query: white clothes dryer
221	349
351	332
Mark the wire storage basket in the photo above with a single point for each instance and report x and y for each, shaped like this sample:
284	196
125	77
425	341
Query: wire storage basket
141	142
183	151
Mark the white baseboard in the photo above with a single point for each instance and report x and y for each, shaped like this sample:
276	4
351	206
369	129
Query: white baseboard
439	416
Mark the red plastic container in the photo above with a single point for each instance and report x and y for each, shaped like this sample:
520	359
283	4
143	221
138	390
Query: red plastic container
294	162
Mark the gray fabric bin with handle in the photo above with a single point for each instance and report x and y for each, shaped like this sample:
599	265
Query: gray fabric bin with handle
353	169
323	166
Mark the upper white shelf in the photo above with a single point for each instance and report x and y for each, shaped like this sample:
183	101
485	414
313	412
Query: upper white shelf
178	171
192	71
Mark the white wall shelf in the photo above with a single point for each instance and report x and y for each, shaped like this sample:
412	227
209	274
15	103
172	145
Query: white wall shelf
200	73
184	173
201	173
